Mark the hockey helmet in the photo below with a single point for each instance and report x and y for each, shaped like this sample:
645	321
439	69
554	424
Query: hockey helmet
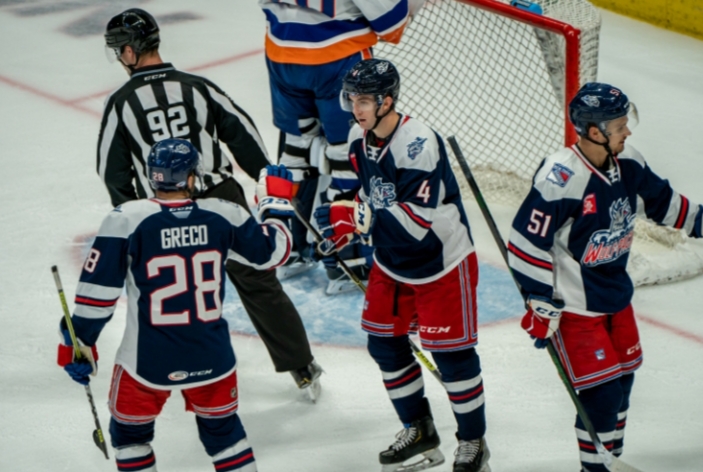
135	28
377	77
597	104
170	162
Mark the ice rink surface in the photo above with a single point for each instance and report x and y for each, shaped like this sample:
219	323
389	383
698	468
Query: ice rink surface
53	80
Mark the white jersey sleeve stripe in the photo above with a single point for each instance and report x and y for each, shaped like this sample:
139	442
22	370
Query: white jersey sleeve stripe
107	137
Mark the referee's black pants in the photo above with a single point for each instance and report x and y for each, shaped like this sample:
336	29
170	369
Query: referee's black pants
273	314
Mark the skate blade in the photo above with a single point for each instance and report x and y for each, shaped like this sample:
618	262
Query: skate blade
296	268
335	287
431	458
313	390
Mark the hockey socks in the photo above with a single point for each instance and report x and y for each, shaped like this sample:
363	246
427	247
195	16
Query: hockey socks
461	376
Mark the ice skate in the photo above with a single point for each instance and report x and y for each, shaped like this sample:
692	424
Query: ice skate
418	444
295	265
308	380
472	456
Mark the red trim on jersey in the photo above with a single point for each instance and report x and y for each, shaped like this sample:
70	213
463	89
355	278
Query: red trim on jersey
529	259
589	165
416	218
94	302
681	220
235	462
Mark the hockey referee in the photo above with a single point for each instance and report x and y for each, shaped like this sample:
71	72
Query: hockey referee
160	102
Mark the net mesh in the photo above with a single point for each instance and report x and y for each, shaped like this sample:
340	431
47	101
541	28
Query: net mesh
498	86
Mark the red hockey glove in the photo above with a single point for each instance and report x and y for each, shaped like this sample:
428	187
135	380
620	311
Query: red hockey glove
274	181
340	221
542	319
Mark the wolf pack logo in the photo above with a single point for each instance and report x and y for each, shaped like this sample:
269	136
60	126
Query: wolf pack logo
416	147
382	67
381	194
560	175
607	245
591	101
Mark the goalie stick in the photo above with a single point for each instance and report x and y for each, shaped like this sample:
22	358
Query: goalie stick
98	436
352	276
611	462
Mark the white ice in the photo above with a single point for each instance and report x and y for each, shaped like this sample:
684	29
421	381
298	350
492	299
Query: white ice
51	194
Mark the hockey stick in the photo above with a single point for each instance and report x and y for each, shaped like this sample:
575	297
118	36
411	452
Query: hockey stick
611	462
352	276
98	437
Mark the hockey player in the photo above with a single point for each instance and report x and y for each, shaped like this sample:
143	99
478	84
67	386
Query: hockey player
569	247
171	251
309	48
425	272
160	102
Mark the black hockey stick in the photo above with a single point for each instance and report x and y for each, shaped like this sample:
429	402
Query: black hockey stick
609	460
98	436
352	276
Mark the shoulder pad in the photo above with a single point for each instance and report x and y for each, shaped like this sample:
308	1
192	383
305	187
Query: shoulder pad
232	212
562	175
356	132
124	219
632	154
415	146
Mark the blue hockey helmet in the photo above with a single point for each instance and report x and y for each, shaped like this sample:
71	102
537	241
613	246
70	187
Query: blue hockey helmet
596	104
135	28
377	77
170	162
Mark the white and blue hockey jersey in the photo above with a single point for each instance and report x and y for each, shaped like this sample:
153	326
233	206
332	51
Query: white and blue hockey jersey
420	230
572	235
171	255
321	31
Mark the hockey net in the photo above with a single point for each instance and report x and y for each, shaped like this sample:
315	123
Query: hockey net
498	77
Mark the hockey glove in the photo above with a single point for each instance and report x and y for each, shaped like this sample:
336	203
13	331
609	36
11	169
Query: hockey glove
542	319
78	369
697	231
340	221
274	181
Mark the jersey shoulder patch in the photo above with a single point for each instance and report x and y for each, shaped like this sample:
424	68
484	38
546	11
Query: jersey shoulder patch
415	146
562	175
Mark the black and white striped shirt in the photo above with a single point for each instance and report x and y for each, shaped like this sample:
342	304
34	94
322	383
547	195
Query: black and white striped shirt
160	102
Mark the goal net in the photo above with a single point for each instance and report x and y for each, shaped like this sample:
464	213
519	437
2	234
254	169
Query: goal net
499	78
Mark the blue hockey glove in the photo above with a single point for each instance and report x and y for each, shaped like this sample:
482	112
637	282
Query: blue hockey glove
78	369
697	231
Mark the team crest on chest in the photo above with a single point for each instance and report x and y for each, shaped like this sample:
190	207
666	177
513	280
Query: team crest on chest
381	194
607	245
416	147
560	175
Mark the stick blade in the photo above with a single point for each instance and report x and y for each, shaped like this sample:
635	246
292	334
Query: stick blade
99	441
619	466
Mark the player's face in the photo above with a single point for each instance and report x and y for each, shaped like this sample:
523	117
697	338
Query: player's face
618	131
364	109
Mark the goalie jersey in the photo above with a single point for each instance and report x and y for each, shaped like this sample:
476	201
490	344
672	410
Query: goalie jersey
420	230
171	255
571	237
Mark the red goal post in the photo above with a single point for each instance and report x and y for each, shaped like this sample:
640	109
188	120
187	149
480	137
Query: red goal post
571	36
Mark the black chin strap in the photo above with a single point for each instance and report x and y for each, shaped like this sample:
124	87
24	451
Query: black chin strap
133	68
381	117
605	144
